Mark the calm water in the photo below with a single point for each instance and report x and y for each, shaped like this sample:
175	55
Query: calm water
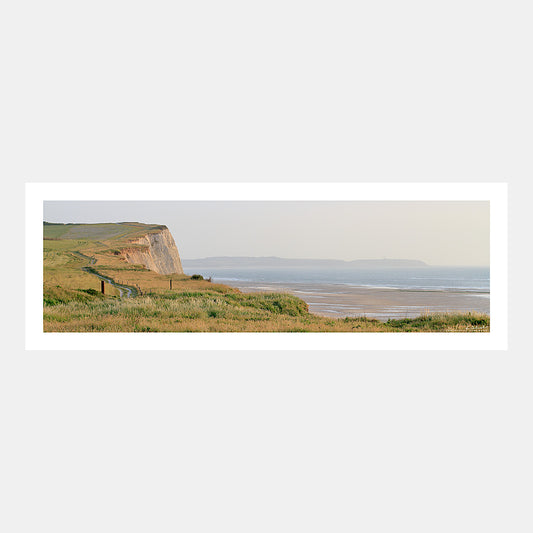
430	278
339	291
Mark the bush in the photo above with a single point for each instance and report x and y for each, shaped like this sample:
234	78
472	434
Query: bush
276	303
92	292
197	276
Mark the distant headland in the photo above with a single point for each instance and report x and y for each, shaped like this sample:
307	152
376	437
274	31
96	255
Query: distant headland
280	262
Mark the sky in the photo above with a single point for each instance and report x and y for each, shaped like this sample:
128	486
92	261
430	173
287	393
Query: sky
439	233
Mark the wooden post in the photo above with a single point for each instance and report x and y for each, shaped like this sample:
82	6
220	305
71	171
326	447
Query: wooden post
102	286
170	284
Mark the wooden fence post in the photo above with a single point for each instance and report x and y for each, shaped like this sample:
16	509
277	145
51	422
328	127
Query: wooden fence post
102	286
170	284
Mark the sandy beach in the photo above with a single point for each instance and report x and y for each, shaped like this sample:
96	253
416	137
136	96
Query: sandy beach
382	303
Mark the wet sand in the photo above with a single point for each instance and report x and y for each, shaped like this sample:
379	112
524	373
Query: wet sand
382	303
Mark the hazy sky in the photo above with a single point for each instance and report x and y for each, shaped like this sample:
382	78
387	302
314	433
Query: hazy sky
439	233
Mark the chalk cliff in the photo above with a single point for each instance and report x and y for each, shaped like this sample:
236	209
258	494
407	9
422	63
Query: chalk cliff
157	251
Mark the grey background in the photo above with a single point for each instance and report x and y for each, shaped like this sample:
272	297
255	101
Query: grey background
377	441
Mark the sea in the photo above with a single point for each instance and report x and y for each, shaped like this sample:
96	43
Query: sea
380	293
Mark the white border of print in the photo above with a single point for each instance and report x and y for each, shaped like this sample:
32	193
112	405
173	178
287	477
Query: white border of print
496	193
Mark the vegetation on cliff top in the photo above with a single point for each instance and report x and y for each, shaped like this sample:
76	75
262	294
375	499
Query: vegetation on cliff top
120	233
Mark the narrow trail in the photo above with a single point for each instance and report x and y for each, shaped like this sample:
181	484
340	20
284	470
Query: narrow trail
125	291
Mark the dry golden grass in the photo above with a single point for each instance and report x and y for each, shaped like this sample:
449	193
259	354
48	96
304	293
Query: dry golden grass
63	271
209	311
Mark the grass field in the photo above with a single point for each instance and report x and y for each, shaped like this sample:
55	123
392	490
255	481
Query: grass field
211	310
98	232
72	300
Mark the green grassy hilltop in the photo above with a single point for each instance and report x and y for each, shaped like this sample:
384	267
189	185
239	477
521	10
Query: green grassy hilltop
94	232
77	257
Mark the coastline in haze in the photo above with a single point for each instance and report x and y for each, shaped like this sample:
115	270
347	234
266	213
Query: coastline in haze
278	262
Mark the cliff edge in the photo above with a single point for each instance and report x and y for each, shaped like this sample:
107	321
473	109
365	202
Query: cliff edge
150	245
155	251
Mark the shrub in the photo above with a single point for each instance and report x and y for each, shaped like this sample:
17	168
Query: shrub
197	276
92	292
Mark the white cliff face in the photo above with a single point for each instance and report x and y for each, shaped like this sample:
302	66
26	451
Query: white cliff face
160	255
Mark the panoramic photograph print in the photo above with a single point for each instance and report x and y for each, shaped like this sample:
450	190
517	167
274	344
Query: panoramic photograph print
266	266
